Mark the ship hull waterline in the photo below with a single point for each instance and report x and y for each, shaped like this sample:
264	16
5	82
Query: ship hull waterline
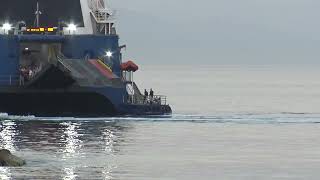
68	103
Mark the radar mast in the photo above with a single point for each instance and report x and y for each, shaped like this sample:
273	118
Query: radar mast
38	13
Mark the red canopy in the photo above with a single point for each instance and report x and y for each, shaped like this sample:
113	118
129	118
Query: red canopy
129	66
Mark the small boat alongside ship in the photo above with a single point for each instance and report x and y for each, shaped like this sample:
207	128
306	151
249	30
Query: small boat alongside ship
63	58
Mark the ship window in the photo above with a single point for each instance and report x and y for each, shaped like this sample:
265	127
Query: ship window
53	12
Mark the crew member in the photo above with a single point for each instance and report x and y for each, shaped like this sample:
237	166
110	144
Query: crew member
151	93
151	96
145	96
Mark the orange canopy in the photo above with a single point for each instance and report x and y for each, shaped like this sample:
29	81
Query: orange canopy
129	66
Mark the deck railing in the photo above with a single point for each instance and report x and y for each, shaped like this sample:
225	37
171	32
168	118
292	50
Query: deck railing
104	16
143	100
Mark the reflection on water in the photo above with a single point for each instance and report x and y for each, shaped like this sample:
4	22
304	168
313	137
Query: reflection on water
5	173
71	137
71	149
7	135
109	139
107	172
7	141
77	137
69	174
66	150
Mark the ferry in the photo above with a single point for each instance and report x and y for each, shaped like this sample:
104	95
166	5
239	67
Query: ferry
62	58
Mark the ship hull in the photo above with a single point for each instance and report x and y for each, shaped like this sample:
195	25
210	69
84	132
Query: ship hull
55	103
69	103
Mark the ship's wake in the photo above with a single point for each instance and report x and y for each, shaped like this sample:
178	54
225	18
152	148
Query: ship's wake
245	118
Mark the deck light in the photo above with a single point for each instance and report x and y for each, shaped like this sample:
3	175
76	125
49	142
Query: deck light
72	28
109	54
6	27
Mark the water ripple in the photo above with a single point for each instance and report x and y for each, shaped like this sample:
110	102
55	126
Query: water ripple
244	118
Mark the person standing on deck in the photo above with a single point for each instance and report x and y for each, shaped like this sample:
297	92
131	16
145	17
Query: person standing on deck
151	95
145	96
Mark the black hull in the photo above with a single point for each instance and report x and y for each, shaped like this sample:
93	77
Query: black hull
53	104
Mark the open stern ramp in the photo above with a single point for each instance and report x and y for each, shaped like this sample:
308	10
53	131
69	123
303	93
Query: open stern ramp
89	72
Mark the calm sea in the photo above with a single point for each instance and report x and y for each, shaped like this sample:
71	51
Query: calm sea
229	122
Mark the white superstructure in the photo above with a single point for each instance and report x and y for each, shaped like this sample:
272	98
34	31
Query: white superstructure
76	17
98	18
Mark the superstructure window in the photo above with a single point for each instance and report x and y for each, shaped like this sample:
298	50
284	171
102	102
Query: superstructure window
53	12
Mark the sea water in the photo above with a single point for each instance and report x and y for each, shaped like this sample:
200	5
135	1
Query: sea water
229	122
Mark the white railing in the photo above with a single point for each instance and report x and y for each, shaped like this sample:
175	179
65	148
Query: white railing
103	16
60	58
146	100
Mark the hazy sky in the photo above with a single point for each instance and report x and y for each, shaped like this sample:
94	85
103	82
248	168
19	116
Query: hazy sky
220	31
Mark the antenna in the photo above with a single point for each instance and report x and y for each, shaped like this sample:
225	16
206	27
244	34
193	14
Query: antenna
38	13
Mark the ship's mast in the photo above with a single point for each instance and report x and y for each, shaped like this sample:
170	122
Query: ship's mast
38	13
